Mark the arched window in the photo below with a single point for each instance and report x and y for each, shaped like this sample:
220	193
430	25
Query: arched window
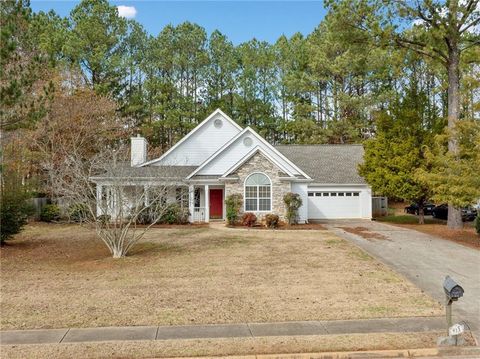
258	193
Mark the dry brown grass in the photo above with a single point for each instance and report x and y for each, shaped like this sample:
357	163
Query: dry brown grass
235	346
57	276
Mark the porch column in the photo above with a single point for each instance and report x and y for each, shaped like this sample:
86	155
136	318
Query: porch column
207	204
191	203
99	199
146	200
114	205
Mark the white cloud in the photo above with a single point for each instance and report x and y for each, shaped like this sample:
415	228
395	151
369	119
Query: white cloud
128	12
418	22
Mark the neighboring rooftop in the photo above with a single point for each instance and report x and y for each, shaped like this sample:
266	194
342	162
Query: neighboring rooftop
329	164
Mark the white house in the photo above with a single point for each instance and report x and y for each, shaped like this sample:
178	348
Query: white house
218	158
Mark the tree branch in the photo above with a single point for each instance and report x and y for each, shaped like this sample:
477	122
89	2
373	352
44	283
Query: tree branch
420	48
473	23
473	43
424	17
472	4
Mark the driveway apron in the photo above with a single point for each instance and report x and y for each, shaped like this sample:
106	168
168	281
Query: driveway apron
425	260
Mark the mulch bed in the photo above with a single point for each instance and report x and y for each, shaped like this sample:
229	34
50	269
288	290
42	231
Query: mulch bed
465	236
305	226
186	225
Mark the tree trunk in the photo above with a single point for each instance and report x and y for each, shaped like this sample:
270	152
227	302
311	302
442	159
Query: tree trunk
421	212
118	254
118	250
454	214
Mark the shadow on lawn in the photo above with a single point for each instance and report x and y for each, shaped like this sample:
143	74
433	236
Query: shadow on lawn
155	248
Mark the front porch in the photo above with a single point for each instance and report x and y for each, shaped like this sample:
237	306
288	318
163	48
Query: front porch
206	202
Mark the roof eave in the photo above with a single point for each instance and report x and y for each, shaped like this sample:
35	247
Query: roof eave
294	179
158	179
340	184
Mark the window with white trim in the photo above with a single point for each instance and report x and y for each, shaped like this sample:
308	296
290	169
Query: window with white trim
181	196
258	193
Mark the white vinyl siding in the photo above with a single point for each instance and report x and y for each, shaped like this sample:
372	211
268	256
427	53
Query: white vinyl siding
203	143
236	151
301	189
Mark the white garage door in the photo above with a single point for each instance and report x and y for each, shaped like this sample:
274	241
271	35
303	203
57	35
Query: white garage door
326	205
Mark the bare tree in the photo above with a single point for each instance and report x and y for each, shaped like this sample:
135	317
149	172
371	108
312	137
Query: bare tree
83	169
78	122
107	197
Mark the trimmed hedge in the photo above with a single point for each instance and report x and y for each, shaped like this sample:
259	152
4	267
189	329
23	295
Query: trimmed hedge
293	202
174	214
249	219
233	203
49	213
272	220
79	212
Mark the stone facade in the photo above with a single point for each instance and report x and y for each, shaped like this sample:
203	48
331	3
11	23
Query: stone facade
259	163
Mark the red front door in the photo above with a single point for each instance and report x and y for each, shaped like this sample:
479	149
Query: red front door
216	203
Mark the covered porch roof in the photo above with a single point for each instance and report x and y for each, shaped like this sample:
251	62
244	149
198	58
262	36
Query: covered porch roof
128	173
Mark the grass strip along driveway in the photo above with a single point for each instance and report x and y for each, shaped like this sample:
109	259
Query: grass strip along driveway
57	276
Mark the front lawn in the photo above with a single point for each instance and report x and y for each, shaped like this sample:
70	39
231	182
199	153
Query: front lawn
57	276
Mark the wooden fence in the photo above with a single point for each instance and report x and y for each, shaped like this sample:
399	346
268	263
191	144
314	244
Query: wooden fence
38	204
379	206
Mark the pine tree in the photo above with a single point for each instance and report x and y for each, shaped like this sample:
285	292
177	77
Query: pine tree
22	91
95	44
454	178
397	151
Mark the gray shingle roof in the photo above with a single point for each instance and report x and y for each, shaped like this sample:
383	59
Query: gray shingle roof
157	172
332	164
329	164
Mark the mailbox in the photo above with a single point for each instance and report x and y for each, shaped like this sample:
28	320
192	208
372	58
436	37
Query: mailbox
452	289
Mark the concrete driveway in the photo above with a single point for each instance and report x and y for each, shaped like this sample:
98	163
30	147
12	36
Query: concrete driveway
425	260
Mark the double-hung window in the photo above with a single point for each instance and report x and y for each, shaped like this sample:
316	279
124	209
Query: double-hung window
181	197
258	193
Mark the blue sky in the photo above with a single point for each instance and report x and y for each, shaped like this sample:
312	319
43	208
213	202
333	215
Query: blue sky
239	20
